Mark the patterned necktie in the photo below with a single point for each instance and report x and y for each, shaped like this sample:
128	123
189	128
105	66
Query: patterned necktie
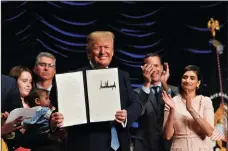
115	141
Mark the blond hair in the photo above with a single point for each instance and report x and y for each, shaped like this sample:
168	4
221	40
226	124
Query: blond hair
96	35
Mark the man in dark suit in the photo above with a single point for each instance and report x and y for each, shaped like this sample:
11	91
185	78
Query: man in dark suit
149	136
98	136
10	95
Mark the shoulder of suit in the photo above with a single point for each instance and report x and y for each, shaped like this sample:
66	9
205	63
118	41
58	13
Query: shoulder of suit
8	78
83	68
172	87
137	89
122	72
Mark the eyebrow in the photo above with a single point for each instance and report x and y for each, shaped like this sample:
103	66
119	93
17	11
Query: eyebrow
25	79
46	63
188	76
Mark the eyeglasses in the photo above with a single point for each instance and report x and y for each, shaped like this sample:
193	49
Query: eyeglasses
43	64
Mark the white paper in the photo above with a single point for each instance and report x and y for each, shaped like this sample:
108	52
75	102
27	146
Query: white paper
71	98
24	112
103	94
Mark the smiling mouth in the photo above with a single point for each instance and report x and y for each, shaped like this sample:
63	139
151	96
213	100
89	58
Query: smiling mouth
155	74
102	58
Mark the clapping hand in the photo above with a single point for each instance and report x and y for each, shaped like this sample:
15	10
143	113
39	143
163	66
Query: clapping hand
147	70
188	101
168	100
165	73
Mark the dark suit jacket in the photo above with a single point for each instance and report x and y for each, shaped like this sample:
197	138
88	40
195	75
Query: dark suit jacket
149	136
97	136
10	95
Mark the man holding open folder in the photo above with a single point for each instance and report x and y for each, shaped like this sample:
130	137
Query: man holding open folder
104	136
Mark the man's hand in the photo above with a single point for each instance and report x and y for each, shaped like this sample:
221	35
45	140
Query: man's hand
165	74
121	116
147	70
56	119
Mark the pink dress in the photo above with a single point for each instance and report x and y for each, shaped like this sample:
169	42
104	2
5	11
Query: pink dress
187	134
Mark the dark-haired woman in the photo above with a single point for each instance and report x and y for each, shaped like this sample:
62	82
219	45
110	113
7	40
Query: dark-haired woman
189	116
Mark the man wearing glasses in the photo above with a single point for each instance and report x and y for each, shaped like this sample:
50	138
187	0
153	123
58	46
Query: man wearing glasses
45	71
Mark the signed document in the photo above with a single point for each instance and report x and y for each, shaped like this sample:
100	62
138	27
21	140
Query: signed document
103	94
71	98
88	96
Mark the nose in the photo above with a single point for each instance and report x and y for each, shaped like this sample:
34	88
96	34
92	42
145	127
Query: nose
102	51
187	80
29	85
46	67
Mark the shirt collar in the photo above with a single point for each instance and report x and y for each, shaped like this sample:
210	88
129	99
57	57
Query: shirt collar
93	66
40	87
159	84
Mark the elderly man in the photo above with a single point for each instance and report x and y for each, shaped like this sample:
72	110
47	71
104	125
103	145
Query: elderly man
100	136
149	136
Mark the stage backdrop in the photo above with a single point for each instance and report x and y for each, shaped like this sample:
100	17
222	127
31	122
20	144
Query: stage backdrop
176	30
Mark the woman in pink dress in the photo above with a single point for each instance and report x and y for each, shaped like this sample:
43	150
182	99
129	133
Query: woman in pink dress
23	75
189	117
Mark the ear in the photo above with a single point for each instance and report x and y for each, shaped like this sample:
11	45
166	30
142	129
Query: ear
34	69
55	71
88	54
113	51
37	101
198	84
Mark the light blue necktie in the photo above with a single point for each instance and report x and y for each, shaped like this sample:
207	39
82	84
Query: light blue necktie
115	141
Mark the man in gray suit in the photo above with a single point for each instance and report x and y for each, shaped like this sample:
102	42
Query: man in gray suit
149	136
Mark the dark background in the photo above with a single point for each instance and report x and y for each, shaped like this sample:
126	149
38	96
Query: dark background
176	30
